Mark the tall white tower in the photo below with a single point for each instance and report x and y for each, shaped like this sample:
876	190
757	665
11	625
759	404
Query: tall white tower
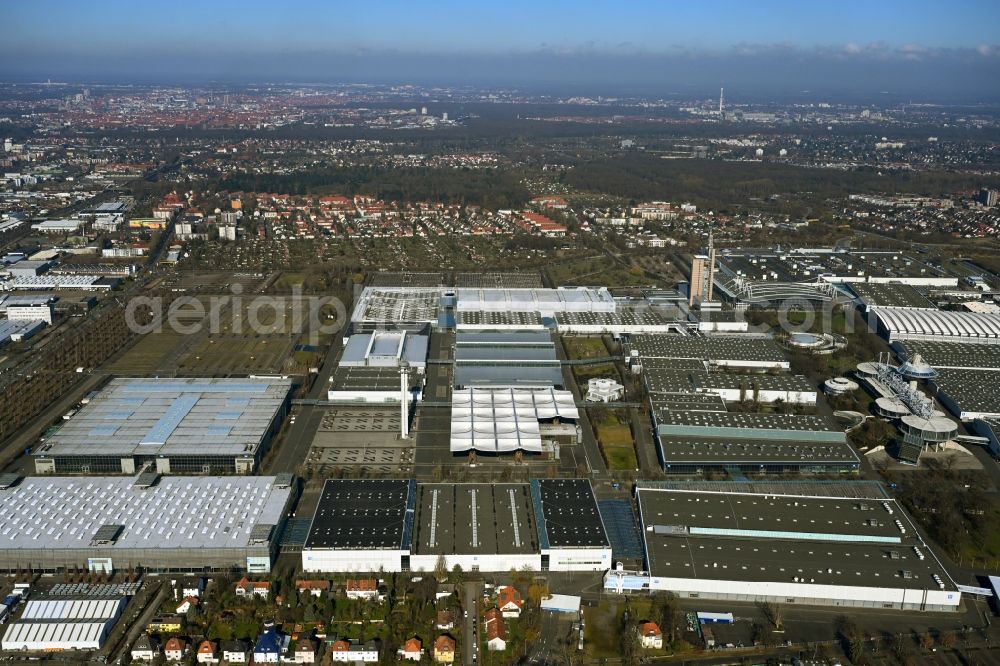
721	91
404	399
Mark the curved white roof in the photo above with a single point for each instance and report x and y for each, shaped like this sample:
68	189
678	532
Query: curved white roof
505	420
904	324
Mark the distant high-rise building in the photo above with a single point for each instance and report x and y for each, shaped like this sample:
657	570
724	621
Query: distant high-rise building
988	197
703	276
721	90
423	110
444	116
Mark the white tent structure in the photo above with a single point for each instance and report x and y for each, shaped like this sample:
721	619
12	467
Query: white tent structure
505	420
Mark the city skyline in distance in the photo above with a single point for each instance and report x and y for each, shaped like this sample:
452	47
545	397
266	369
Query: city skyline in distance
921	49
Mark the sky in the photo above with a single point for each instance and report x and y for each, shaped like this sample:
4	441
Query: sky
923	47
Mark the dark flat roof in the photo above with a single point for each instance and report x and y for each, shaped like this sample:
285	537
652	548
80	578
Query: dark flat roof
570	517
362	514
761	537
504	519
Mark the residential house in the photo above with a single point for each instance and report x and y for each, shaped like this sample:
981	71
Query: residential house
305	652
445	620
509	601
208	653
191	587
444	649
248	588
186	604
363	588
314	587
650	636
496	630
175	649
270	646
412	649
236	652
168	624
347	651
145	649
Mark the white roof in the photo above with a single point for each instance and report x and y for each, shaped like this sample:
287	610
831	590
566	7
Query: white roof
55	635
177	416
505	420
546	301
903	324
73	609
177	512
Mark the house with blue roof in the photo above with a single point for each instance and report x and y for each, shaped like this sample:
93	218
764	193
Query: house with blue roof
270	646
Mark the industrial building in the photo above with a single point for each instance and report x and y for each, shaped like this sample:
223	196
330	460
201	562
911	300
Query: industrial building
508	420
625	321
762	388
692	441
870	295
945	355
394	525
787	546
476	526
730	351
18	330
361	525
967	393
166	523
381	349
833	266
506	360
55	625
199	426
937	325
546	302
374	386
571	531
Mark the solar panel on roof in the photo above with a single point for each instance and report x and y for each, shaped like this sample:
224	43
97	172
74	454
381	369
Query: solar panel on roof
171	418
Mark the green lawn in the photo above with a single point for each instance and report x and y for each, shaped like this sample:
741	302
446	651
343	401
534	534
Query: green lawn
621	458
584	348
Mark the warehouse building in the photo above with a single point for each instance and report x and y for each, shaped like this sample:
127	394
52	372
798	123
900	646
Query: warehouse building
373	386
572	533
385	349
159	523
194	426
546	302
476	526
870	295
937	325
361	525
969	394
393	526
763	388
55	625
946	355
506	359
508	420
750	353
786	547
475	320
398	305
692	441
631	321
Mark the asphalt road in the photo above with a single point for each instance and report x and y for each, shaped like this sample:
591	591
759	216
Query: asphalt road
298	436
473	592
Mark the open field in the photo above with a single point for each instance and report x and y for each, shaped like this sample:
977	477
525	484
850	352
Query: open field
615	439
578	348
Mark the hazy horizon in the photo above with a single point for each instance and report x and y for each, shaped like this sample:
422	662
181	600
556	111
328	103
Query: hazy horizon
919	48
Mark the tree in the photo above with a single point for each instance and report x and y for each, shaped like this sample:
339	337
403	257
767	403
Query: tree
773	613
441	568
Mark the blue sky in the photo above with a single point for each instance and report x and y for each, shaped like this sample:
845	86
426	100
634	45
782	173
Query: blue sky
537	40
